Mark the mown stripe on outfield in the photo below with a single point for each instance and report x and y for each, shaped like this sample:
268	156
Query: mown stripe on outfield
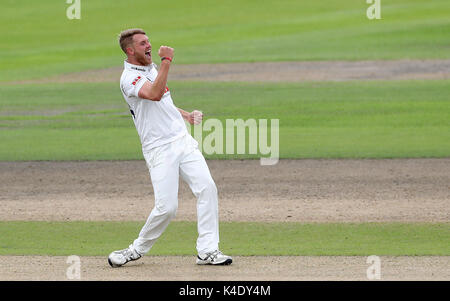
227	31
396	119
237	238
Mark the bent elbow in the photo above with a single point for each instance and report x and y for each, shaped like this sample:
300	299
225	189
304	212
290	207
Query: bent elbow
153	97
156	98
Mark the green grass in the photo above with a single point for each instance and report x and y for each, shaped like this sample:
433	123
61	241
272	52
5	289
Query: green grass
39	40
317	120
100	238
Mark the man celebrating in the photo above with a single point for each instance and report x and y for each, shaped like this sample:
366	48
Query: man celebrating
169	150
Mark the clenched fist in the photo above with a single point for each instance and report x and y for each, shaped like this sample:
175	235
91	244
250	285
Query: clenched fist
195	117
165	51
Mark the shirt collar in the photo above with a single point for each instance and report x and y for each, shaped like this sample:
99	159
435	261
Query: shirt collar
137	67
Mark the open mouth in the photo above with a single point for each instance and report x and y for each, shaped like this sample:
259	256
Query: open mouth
148	53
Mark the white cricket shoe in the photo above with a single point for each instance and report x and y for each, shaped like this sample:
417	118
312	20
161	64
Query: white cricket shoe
119	258
215	258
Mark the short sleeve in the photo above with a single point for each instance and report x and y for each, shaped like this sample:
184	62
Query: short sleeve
132	83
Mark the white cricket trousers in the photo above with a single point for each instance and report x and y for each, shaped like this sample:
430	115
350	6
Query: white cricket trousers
165	164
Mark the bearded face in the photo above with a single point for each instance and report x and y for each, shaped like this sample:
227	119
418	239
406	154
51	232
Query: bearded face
142	49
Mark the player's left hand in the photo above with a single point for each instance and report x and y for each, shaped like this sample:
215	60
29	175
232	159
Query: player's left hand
195	117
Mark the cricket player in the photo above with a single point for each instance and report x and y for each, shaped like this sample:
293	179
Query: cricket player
169	151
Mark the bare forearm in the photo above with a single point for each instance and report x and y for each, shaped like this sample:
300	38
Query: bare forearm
194	117
184	114
155	91
160	83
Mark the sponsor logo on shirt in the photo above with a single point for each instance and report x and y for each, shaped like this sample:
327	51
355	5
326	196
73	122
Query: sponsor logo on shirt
136	80
139	69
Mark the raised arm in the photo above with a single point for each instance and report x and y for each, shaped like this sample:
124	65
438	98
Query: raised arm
155	91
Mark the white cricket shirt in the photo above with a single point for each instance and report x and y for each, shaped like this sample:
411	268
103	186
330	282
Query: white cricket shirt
157	122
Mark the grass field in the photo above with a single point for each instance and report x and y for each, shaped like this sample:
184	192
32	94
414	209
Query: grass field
47	43
317	120
245	239
354	119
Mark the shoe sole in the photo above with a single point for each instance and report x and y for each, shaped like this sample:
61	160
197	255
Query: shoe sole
226	262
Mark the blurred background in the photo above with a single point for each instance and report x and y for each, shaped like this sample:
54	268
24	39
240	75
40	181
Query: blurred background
343	85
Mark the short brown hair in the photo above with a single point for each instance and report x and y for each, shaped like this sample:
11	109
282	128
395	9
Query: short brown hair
126	37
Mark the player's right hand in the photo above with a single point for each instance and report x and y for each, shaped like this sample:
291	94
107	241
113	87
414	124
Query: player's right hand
165	51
